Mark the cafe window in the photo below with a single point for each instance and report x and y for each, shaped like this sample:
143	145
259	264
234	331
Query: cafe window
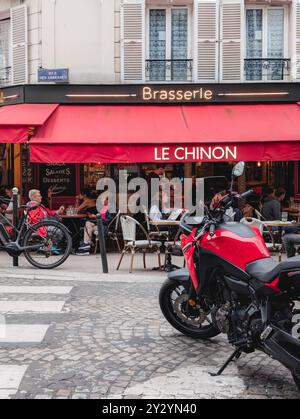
169	44
5	58
92	173
266	44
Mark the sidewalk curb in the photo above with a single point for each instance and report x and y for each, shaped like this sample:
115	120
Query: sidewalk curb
80	277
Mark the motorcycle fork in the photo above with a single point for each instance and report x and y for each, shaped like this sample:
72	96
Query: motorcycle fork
193	296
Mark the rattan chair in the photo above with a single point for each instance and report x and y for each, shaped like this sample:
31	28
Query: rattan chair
132	245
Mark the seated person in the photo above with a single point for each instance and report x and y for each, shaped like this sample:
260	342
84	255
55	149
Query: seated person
271	203
4	221
87	202
6	192
91	226
271	209
41	212
160	211
233	214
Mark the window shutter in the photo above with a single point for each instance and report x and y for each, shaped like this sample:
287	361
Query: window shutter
19	42
297	58
132	41
231	37
206	48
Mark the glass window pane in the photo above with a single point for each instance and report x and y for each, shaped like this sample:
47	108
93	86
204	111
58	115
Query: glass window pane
157	48
179	42
276	43
254	26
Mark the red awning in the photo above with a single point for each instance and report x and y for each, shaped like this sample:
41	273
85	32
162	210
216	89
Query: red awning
126	134
16	119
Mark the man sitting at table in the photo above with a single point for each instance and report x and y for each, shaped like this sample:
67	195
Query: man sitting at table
91	226
271	203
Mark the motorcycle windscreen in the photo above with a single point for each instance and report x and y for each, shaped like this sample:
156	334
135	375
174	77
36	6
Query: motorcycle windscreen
188	248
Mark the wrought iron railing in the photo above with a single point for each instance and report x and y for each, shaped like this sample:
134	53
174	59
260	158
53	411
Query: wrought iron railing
169	70
5	77
267	69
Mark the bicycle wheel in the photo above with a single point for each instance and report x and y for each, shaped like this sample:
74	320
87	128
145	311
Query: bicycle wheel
51	244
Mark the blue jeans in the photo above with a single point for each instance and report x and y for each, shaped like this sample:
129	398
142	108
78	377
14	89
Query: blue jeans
290	241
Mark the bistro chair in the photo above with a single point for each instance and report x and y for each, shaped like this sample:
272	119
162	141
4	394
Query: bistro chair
258	215
129	230
112	232
264	230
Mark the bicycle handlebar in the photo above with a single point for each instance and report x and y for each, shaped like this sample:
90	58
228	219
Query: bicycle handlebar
5	200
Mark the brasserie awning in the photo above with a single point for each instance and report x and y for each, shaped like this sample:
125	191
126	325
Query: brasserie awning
168	134
16	120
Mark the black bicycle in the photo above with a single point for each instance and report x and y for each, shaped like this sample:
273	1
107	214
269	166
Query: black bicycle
46	245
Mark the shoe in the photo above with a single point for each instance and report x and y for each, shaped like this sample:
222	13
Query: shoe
83	253
55	251
84	247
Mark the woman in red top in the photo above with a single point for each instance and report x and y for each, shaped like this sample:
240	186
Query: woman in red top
41	212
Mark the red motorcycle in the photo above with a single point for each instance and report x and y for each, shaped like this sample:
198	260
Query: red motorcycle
233	286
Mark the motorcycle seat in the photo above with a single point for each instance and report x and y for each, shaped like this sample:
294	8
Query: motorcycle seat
266	270
180	274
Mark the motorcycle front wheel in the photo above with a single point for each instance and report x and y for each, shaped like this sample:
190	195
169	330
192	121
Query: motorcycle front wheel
174	304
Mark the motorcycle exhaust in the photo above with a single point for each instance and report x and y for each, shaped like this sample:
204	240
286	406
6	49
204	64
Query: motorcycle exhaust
283	347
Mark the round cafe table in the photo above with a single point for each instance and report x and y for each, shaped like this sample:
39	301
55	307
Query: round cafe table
167	223
74	223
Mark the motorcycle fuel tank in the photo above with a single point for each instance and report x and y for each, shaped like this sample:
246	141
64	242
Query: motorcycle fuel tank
236	243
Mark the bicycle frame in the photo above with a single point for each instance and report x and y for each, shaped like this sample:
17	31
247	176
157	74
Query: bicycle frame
8	244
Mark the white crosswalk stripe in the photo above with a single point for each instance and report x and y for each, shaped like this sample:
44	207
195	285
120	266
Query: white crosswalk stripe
10	379
31	306
23	333
18	334
34	290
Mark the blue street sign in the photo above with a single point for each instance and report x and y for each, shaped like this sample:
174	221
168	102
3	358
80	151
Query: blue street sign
53	76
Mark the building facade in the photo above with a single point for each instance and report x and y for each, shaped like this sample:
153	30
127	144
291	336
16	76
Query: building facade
150	43
139	41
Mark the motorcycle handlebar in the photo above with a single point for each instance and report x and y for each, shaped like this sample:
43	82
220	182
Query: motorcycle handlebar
214	218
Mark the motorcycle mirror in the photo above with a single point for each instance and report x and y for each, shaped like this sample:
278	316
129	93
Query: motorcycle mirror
238	169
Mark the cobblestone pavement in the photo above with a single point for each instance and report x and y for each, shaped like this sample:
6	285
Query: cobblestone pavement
110	340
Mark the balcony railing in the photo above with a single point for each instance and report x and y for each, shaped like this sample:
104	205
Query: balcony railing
267	69
5	77
169	70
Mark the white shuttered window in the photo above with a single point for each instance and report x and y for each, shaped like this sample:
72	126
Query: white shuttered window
133	41
19	42
232	15
206	36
